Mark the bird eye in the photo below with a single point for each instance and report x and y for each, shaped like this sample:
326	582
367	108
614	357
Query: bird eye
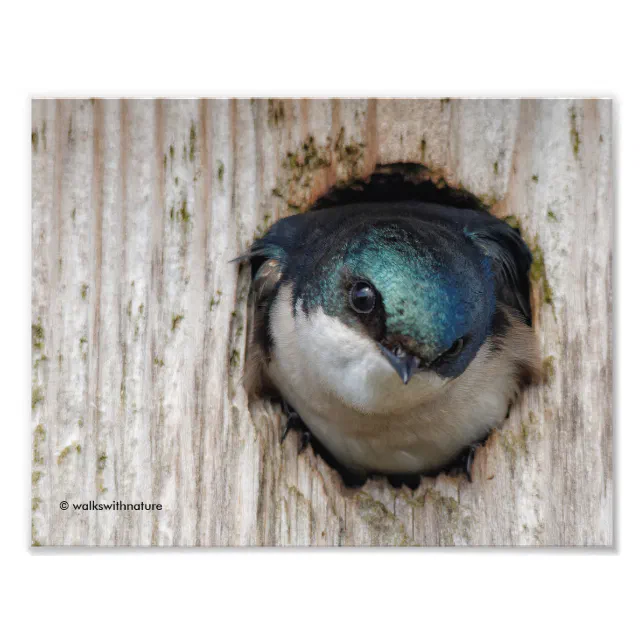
362	297
455	349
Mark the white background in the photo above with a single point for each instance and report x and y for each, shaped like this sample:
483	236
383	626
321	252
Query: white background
338	49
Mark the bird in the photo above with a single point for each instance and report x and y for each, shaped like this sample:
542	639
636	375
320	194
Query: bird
396	333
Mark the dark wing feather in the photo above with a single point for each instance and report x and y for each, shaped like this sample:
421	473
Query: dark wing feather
511	259
281	241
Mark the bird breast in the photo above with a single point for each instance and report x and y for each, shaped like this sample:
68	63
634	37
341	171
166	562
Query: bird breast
356	405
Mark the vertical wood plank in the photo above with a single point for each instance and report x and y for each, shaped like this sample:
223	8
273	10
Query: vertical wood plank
140	321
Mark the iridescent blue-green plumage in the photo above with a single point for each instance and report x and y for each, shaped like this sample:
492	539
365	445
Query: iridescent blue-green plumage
439	271
396	330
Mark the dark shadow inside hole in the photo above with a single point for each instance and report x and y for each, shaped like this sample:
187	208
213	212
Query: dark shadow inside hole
399	182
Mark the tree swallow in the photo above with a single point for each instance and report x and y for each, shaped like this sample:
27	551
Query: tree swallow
397	333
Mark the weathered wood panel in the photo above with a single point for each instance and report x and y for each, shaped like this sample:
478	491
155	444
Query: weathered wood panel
139	320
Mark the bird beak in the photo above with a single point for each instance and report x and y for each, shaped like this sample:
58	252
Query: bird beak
404	365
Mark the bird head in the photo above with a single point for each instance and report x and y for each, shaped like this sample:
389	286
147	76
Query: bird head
394	293
423	293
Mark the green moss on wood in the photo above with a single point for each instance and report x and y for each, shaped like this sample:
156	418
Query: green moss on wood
348	154
574	132
38	440
34	537
37	336
34	140
548	368
66	451
193	141
515	443
276	112
176	321
449	506
215	299
36	396
552	216
302	164
513	221
535	178
262	229
220	170
84	289
384	524
234	358
183	211
39	360
538	272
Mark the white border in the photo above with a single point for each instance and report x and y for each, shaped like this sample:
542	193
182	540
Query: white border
331	48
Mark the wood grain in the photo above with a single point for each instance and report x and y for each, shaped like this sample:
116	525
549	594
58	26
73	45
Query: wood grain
140	321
